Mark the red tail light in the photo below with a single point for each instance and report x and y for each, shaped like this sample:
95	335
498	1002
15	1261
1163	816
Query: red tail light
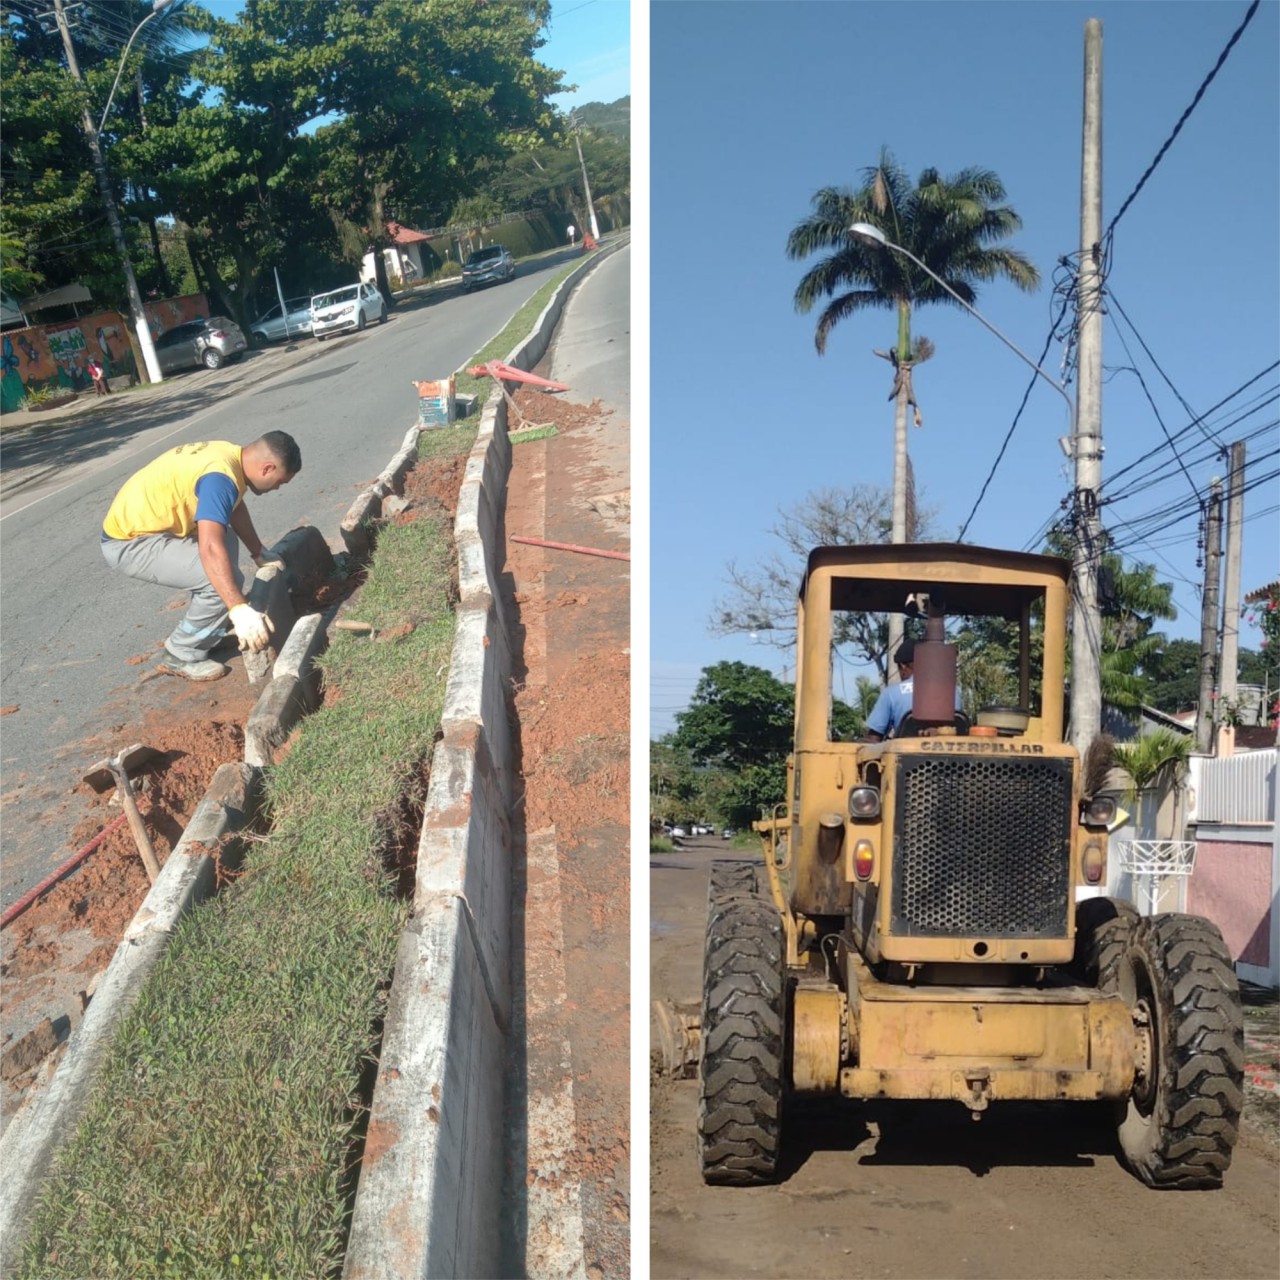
864	859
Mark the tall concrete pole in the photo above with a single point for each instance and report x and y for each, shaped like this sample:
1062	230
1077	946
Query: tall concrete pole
136	309
1086	623
1209	617
1231	580
586	186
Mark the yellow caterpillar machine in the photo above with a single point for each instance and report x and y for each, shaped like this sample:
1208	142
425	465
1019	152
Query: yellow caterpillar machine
922	926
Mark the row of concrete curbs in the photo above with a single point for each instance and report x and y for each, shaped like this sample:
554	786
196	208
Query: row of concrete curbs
429	1201
430	1187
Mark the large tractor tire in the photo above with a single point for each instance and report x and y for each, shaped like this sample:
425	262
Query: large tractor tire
731	879
1183	1115
1104	927
743	1047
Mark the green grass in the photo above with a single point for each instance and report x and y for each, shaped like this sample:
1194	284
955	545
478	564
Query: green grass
219	1139
660	844
528	434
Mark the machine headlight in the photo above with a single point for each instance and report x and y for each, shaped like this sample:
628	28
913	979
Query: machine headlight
1099	811
864	803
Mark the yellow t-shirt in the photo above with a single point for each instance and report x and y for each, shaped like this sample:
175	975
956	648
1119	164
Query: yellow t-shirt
161	498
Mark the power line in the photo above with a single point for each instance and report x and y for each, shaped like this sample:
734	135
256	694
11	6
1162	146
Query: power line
1177	128
1196	420
1160	448
1017	417
1142	382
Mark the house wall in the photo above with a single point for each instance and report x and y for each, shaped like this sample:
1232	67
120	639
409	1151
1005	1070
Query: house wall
1234	885
55	356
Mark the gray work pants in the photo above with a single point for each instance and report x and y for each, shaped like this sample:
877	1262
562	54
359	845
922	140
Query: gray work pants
175	562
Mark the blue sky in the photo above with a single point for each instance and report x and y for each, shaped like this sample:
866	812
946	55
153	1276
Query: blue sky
746	418
590	41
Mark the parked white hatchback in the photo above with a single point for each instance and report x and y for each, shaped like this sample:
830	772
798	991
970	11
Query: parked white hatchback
351	307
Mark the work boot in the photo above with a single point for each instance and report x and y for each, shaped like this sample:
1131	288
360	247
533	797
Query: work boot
201	670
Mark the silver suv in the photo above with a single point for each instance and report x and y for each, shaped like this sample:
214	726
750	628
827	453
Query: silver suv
351	307
487	265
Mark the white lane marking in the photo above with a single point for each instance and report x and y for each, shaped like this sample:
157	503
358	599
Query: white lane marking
554	1245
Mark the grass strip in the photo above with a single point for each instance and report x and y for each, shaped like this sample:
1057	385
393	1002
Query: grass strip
532	433
219	1139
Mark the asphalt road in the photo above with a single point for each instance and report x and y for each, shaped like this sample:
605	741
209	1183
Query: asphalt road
69	625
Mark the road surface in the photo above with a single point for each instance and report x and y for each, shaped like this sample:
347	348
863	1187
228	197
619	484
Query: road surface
69	626
917	1190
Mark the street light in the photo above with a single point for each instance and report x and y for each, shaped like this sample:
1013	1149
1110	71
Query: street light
586	186
157	8
868	234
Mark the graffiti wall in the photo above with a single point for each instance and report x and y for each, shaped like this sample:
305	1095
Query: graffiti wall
55	357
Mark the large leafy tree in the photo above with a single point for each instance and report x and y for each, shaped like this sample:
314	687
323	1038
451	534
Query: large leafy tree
415	97
953	224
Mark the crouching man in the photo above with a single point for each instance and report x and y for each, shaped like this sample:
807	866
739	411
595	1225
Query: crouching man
179	522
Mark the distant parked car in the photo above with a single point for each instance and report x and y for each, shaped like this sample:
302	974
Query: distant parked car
208	340
678	831
272	328
487	265
351	307
728	833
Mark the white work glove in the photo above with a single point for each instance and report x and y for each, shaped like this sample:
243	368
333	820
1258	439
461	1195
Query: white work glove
253	629
265	557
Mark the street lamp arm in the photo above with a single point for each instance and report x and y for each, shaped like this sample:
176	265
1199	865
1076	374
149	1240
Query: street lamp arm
124	57
865	232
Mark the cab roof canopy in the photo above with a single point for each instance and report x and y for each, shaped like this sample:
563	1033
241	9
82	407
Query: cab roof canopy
963	579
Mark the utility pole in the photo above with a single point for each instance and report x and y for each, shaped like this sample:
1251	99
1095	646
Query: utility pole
1086	623
136	308
1228	674
586	186
1209	616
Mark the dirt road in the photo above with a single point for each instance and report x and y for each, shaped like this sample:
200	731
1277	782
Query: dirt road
921	1190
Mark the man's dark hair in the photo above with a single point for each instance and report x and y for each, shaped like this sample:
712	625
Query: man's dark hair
284	448
906	654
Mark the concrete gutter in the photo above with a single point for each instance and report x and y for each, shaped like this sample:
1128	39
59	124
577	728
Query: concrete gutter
429	1200
450	1003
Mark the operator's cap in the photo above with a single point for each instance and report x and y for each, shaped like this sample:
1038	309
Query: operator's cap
906	654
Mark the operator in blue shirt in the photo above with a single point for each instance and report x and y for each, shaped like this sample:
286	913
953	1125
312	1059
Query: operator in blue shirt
893	706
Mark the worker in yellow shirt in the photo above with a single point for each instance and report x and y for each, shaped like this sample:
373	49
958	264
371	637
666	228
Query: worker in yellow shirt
179	522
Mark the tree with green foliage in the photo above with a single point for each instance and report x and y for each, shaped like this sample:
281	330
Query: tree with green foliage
740	722
420	97
953	224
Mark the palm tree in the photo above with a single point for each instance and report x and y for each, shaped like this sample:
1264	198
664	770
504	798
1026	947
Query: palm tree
950	223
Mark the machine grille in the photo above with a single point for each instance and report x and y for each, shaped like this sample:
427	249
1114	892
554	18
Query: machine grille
982	846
